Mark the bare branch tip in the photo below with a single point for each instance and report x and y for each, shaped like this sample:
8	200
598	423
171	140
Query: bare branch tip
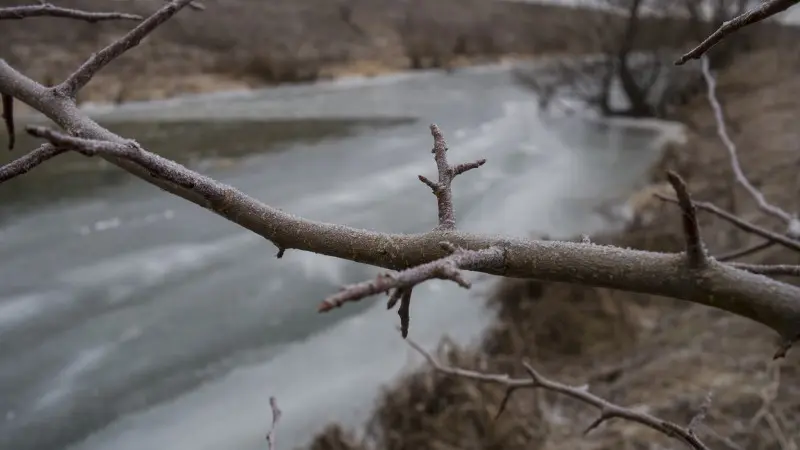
8	119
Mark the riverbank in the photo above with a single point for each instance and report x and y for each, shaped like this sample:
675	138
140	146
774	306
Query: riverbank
252	44
633	349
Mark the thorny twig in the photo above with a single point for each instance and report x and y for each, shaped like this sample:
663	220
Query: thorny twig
447	268
49	10
761	12
442	189
695	250
607	409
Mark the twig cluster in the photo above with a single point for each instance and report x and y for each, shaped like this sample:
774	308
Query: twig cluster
607	409
443	252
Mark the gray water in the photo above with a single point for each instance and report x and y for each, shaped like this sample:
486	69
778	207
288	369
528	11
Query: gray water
130	319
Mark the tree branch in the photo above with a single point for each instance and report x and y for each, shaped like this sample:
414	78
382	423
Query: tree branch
24	164
761	12
769	269
85	72
607	409
791	221
754	296
49	10
741	223
741	252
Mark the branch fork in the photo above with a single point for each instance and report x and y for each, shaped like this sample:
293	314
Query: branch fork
442	189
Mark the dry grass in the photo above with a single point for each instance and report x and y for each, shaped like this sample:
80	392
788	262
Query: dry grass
633	349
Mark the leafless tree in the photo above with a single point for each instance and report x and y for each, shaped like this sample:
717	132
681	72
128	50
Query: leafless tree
635	40
693	275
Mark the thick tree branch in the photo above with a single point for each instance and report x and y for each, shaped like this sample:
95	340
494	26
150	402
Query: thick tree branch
85	72
791	221
49	10
536	380
761	12
767	301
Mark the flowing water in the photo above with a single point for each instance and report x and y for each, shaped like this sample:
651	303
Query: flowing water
133	320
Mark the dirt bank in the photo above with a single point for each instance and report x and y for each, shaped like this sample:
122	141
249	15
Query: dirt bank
633	349
254	43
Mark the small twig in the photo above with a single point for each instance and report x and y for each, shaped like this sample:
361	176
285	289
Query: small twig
770	269
442	189
792	224
767	9
745	251
741	223
8	119
446	268
49	10
87	70
404	311
24	164
698	418
695	251
276	416
607	409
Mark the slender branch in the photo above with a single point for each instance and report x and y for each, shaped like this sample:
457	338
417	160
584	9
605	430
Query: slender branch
791	221
695	251
49	10
442	189
85	72
761	12
24	164
276	417
8	119
536	380
741	223
745	251
769	269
